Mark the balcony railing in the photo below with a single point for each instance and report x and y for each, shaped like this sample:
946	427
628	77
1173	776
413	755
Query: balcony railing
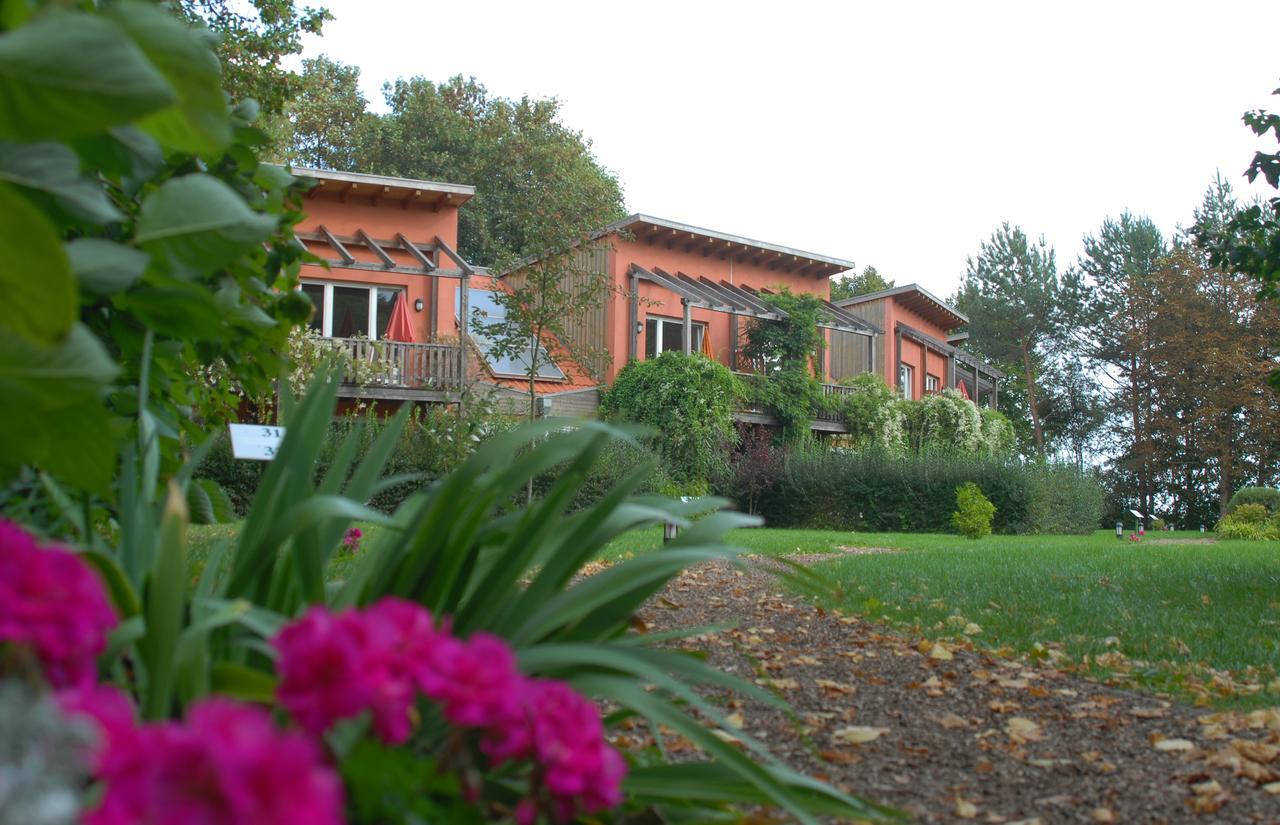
398	364
818	414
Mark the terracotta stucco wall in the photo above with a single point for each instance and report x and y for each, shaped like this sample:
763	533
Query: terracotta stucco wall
657	301
383	222
912	353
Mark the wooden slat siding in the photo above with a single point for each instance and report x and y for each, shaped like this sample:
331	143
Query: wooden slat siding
850	353
587	332
417	366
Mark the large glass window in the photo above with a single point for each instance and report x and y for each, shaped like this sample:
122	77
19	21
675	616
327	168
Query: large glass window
350	310
667	335
316	293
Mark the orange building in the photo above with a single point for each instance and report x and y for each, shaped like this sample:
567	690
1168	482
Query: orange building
394	287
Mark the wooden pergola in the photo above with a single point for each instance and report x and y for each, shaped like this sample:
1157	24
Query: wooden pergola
733	299
426	261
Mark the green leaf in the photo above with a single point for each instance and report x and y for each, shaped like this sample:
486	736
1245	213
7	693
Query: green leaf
166	589
104	267
200	121
53	415
68	74
35	275
122	593
240	682
54	169
200	222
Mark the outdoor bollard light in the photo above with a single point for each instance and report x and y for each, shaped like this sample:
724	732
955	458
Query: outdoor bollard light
1120	529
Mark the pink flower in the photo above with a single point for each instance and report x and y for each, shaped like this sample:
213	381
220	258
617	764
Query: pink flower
476	681
398	637
568	740
351	540
53	602
323	669
111	714
228	765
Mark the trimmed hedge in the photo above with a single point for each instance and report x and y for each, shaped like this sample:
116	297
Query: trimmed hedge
874	491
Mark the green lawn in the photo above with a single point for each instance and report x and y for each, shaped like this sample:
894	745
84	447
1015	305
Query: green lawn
1161	616
1173	612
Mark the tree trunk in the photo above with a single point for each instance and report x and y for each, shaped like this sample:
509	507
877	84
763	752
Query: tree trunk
1140	452
1031	398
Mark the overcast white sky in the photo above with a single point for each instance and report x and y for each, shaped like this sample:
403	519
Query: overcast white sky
889	133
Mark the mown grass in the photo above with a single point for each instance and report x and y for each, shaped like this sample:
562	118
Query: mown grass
1173	612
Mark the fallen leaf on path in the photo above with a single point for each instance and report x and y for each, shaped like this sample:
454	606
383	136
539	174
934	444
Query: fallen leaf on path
1002	706
1148	713
952	721
1102	815
834	688
1272	788
1174	745
735	720
965	809
1022	730
858	734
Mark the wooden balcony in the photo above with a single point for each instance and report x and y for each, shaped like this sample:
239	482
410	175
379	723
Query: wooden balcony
416	372
822	421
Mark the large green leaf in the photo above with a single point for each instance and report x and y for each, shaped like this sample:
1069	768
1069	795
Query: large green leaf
200	121
54	169
53	415
104	267
68	74
200	222
35	275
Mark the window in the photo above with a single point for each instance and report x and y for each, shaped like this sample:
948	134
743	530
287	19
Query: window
930	383
348	310
906	384
486	311
667	335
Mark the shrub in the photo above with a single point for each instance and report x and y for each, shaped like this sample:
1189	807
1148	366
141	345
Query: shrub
755	468
1268	497
875	491
1255	514
618	460
974	512
998	438
873	415
1158	524
944	422
690	401
1230	527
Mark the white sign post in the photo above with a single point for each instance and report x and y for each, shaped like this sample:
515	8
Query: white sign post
256	442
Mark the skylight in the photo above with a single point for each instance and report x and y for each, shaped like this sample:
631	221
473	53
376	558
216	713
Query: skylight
486	311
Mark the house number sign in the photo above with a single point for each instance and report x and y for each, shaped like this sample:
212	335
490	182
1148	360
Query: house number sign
256	442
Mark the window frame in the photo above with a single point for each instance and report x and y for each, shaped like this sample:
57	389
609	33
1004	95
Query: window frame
906	380
699	333
326	320
935	381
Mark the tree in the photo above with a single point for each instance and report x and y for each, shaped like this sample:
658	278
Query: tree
851	286
326	122
253	40
539	178
1012	293
1249	242
1115	312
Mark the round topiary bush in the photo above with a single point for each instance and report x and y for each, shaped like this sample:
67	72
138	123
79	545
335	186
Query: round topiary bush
1268	497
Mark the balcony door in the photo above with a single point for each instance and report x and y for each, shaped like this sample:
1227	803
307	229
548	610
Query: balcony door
344	310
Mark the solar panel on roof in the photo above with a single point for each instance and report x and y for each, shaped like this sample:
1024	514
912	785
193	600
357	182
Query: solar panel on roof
485	311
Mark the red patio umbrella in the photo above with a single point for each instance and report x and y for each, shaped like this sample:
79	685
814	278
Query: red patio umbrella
398	327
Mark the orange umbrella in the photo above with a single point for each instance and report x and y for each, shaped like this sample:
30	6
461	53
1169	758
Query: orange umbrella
398	327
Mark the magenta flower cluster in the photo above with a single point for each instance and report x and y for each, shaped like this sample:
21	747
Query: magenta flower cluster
351	540
334	666
52	603
227	765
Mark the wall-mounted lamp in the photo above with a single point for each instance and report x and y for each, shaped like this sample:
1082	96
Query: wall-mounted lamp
639	327
418	305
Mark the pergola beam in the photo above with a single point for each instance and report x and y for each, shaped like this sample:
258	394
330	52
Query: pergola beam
408	246
377	250
336	245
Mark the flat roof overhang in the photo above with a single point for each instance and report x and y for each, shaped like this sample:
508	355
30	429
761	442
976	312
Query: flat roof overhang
377	190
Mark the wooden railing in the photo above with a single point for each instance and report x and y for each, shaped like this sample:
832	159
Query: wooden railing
397	364
819	415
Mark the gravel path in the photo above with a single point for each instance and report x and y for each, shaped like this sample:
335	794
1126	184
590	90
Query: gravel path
952	735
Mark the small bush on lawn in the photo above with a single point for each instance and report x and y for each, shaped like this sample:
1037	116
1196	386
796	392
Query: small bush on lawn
974	512
755	468
1268	497
1251	522
874	491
